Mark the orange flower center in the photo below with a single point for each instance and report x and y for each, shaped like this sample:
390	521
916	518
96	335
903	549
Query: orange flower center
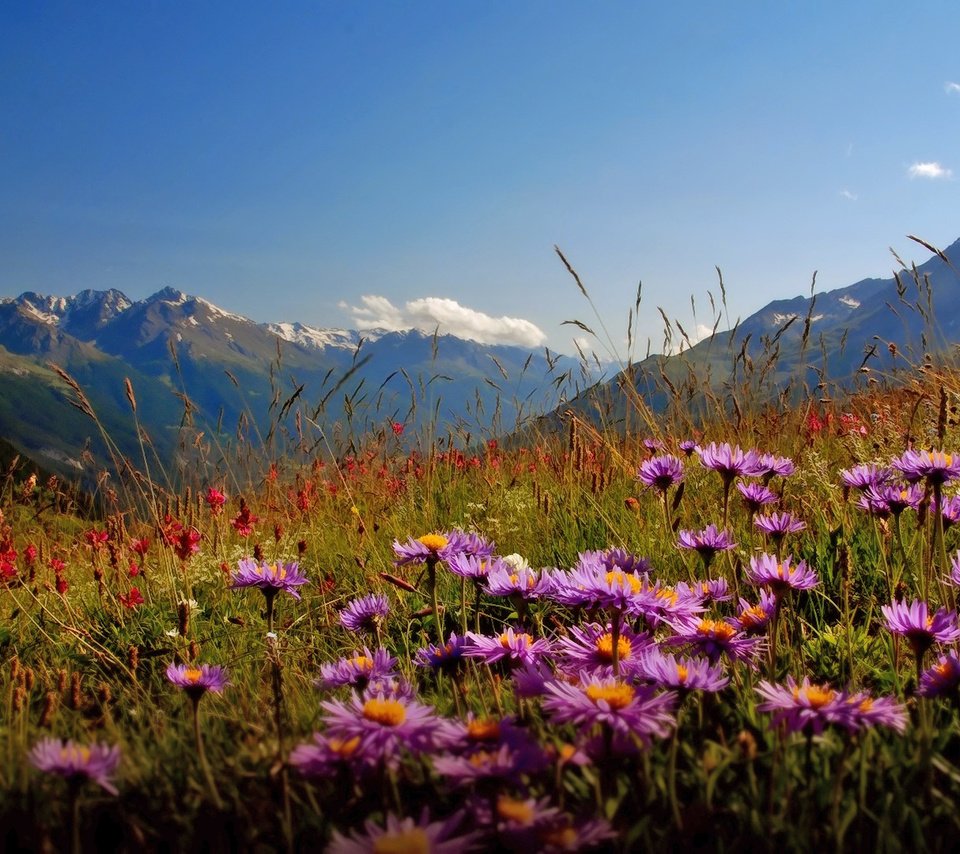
343	748
385	712
434	542
816	695
752	616
521	812
362	662
411	841
605	647
521	639
483	729
617	696
619	578
720	630
682	674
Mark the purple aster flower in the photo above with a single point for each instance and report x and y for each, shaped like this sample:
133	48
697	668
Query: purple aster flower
756	495
730	462
806	707
714	638
661	473
623	707
616	559
196	681
385	725
706	543
75	762
325	757
563	834
896	497
754	619
271	578
864	476
406	834
871	503
590	650
516	647
474	567
778	525
781	576
440	547
499	762
919	627
941	680
446	658
530	680
688	447
653	445
366	613
590	585
525	582
863	711
711	590
949	510
936	467
659	603
769	465
389	686
681	674
357	670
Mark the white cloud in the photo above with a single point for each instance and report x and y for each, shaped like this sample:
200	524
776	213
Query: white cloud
929	170
426	314
848	195
952	88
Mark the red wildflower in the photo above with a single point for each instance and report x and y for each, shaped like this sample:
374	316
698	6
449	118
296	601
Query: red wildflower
30	554
215	500
244	521
134	570
140	546
95	539
188	543
397	428
131	599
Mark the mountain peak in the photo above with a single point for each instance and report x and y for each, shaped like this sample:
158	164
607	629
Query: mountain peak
169	294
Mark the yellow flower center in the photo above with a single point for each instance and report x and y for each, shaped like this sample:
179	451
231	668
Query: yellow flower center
521	639
521	812
75	753
434	542
562	838
567	752
605	647
343	748
385	712
669	594
483	729
192	675
682	674
619	578
816	695
866	705
480	758
412	841
720	630
752	616
617	695
362	662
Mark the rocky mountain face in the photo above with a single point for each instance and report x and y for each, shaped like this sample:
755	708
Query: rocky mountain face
196	367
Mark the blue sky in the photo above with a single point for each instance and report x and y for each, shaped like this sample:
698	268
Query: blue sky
403	163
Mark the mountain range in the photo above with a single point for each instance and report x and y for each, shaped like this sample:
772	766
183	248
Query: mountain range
194	370
193	367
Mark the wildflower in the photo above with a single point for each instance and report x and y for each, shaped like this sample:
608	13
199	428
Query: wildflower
405	835
754	619
516	647
941	680
949	507
688	447
590	584
625	708
659	603
271	578
244	521
805	707
365	614
769	465
215	500
653	445
661	472
730	462
357	670
864	476
527	583
714	638
920	628
618	559
440	547
186	543
131	599
681	674
397	428
474	567
756	495
590	649
96	539
895	497
863	710
385	725
781	576
936	467
443	657
324	757
498	762
141	545
711	590
76	763
196	681
778	525
706	543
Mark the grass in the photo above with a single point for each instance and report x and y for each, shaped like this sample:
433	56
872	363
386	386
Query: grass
85	660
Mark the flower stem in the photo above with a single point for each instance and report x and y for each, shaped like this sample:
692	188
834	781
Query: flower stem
202	755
